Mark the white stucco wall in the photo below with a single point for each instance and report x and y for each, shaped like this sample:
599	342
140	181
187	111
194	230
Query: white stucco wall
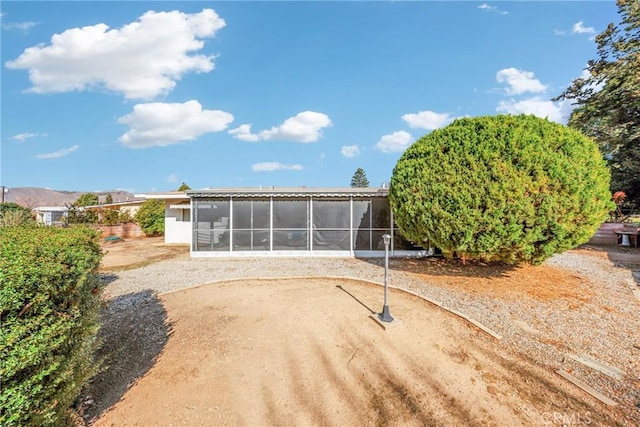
176	230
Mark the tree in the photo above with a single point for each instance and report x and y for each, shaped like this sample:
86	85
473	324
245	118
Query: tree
150	217
608	99
87	199
359	179
503	188
108	199
76	214
184	187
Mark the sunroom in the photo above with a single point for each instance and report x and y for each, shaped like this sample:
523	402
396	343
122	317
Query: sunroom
295	222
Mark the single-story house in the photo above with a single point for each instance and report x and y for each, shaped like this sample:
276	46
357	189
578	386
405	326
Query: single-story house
129	207
51	215
177	215
284	222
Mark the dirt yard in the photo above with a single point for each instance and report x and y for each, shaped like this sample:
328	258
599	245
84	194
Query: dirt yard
282	352
306	352
126	254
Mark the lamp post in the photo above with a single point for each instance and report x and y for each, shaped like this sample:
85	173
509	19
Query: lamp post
385	316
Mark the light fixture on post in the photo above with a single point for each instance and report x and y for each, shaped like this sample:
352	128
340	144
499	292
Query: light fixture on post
385	316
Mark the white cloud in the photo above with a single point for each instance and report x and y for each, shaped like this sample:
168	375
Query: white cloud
495	9
554	111
274	166
243	133
22	137
21	26
172	178
350	150
519	81
394	142
427	120
303	127
161	124
60	153
579	28
559	32
141	60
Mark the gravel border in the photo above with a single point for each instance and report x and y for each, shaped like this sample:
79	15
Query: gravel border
606	328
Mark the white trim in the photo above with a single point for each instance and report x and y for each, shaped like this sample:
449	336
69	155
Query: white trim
231	228
270	224
310	223
180	206
163	196
351	226
284	254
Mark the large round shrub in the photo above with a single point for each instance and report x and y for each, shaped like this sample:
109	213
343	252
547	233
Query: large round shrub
507	188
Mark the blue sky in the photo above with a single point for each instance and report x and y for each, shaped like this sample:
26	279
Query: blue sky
143	96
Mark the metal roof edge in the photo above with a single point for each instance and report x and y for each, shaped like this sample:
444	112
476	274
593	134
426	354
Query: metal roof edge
289	192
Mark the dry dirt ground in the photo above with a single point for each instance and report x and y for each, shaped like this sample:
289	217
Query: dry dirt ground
282	352
127	254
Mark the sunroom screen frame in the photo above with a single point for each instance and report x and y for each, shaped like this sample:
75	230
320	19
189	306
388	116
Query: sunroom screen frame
309	196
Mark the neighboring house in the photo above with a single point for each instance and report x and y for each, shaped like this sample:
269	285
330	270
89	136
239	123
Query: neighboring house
51	215
177	215
130	207
283	222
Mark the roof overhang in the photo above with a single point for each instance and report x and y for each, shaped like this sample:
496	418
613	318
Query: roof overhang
290	192
169	195
180	206
51	209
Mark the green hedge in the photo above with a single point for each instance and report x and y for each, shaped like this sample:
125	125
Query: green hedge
49	302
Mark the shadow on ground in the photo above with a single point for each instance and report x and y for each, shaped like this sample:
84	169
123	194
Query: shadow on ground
133	332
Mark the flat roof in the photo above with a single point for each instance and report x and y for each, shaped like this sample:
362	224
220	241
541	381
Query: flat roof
163	195
290	192
51	209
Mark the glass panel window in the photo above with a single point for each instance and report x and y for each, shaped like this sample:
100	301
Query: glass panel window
290	240
241	238
362	240
221	240
260	240
242	214
361	214
250	240
56	216
290	213
203	240
381	213
211	225
331	214
261	214
331	240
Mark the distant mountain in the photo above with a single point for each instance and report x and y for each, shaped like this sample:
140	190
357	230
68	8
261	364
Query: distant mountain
33	197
